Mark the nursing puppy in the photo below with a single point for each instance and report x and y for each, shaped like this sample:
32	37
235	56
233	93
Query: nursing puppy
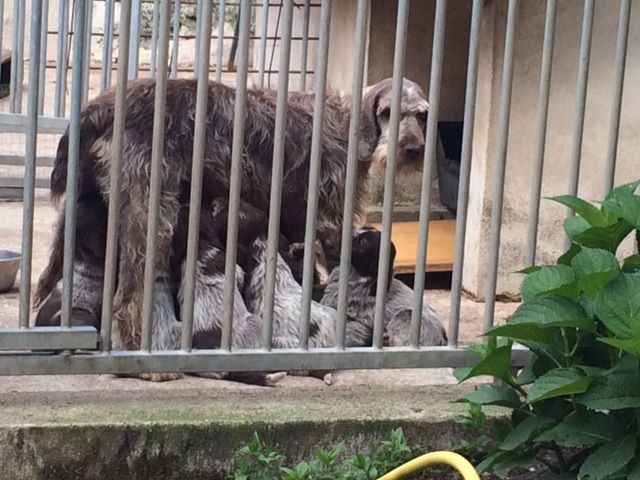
399	297
209	288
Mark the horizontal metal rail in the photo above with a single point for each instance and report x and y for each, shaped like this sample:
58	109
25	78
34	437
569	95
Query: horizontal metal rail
130	362
48	338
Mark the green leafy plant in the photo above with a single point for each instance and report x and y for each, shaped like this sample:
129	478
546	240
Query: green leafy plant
576	405
256	461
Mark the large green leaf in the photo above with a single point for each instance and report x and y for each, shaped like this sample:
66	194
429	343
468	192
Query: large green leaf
608	459
558	382
607	238
631	264
497	395
594	268
552	312
526	333
623	202
631	345
524	432
553	279
586	210
618	305
566	257
583	428
613	392
496	364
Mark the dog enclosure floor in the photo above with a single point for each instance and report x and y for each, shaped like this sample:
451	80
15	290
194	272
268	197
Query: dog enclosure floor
440	247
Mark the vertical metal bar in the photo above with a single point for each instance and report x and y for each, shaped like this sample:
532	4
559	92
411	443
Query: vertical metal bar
541	132
107	47
176	36
262	52
581	97
62	58
198	36
465	171
87	52
277	170
117	149
314	172
197	171
616	103
71	197
43	55
1	23
236	173
134	39
390	170
305	45
30	167
220	40
501	163
17	57
157	154
362	20
153	62
431	142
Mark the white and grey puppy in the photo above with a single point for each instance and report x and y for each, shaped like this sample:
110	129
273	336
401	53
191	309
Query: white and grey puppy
399	297
209	288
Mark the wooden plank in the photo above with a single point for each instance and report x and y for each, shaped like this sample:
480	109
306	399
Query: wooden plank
440	248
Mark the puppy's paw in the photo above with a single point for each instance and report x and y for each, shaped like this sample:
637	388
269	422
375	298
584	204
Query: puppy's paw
329	378
272	379
160	377
211	375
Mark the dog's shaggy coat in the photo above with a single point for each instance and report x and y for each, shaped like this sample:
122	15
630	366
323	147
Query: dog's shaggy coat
95	159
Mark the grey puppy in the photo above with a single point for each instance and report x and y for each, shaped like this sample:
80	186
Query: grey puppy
399	297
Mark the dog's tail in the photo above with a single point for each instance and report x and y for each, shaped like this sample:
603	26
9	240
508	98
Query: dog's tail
96	121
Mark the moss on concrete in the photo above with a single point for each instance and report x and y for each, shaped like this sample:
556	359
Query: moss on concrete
195	434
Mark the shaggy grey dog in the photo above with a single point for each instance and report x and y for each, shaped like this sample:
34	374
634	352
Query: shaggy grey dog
399	297
95	159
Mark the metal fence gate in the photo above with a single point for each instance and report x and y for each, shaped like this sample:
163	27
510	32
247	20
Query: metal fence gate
60	350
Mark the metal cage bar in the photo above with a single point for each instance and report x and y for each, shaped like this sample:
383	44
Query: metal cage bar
402	21
157	154
315	160
262	52
176	36
62	63
134	39
581	98
197	172
304	48
501	163
465	172
541	132
87	52
71	196
236	171
362	17
277	170
17	55
618	85
30	168
431	143
43	55
220	40
117	151
153	61
107	47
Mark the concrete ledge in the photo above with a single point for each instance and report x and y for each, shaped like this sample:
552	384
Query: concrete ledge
194	434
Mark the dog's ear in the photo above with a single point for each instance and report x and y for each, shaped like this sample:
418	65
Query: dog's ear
369	125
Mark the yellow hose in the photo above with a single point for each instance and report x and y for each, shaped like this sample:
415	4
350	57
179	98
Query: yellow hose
456	461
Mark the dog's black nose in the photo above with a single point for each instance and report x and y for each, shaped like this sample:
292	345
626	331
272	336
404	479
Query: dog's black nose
412	152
